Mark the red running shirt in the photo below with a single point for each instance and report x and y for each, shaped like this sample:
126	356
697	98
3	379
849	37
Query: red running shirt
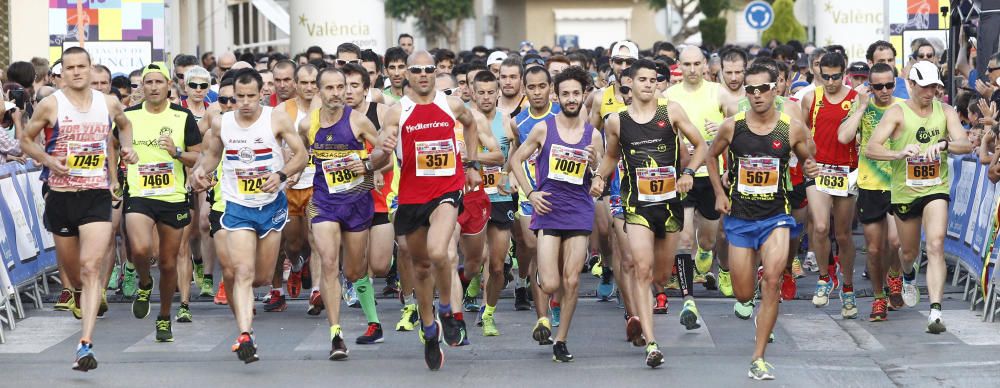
824	119
429	156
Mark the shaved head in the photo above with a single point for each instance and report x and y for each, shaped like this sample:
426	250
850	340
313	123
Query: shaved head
421	57
691	54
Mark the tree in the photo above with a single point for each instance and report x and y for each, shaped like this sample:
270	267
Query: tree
785	26
713	26
687	9
435	18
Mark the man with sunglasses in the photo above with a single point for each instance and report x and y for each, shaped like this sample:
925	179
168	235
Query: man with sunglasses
646	138
834	191
182	63
166	139
921	132
760	143
873	191
421	130
347	53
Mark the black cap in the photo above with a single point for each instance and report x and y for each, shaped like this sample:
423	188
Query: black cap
858	68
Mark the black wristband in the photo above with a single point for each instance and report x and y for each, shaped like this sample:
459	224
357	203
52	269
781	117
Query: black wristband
528	196
282	176
687	171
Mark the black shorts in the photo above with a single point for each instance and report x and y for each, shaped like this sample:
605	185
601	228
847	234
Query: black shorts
380	219
502	214
702	198
177	215
214	222
797	197
563	234
66	211
873	205
661	218
414	216
915	209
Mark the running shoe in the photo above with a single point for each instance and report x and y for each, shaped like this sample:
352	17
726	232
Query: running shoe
409	318
662	304
103	308
833	269
183	314
822	297
760	370
220	297
130	282
294	284
85	359
307	281
895	291
315	303
490	326
470	303
542	331
633	329
810	262
725	284
743	310
879	307
935	324
465	333
607	286
788	286
199	273
521	299
338	348
74	306
689	315
206	287
654	357
849	309
65	297
391	286
596	265
479	315
372	336
797	271
116	276
351	295
163	332
674	283
508	273
699	278
277	302
555	315
140	305
560	353
703	261
245	348
451	329
433	355
710	282
911	295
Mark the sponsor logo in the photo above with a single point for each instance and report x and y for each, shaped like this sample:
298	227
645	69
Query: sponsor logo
422	126
258	141
166	131
661	123
776	144
280	216
246	155
182	216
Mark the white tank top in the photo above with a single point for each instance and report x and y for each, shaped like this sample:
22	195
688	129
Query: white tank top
249	156
81	138
306	179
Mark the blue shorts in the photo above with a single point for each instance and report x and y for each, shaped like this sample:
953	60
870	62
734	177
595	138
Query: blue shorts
263	219
527	210
753	233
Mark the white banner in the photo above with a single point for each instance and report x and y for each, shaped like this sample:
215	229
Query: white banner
119	56
36	189
854	24
329	23
24	239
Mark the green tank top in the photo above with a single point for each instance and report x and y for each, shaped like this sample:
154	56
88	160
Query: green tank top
157	175
915	178
873	174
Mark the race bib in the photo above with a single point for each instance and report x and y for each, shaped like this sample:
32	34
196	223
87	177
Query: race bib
339	178
758	176
86	158
460	138
250	180
435	158
833	179
491	179
923	172
567	164
656	184
156	179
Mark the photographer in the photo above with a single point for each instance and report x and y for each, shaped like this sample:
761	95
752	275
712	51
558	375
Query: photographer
18	91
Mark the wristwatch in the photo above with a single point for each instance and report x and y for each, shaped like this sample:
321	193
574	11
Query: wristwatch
282	176
368	165
177	152
687	171
473	164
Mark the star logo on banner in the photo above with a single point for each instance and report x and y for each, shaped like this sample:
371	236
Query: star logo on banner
303	20
829	6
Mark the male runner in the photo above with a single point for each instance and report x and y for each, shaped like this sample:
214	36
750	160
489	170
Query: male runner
342	206
873	190
214	236
166	139
513	92
284	82
567	145
253	173
431	184
395	69
918	131
760	142
645	136
835	189
77	121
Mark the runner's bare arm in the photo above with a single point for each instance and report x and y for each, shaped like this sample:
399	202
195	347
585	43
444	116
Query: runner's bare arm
959	143
124	129
719	145
367	133
612	133
389	135
848	129
595	109
510	126
211	153
492	156
805	106
534	142
693	135
45	112
886	128
469	125
283	128
801	141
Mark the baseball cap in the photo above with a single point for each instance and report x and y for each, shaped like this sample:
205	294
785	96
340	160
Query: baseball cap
925	73
57	69
633	50
858	68
496	57
156	67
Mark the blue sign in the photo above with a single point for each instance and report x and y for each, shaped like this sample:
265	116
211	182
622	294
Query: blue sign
568	41
759	15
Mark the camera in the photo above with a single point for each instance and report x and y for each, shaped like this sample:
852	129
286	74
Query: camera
19	97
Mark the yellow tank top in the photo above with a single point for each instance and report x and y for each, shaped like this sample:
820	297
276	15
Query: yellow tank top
609	102
700	105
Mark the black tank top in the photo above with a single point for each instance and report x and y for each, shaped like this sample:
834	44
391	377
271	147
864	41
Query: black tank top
372	115
649	156
758	170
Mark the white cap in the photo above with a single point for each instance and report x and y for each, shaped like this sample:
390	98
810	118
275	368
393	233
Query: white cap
496	57
633	50
925	73
57	69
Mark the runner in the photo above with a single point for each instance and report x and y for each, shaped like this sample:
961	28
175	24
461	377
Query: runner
342	207
644	137
77	123
835	189
253	173
166	139
284	82
395	69
757	222
873	190
918	131
513	91
566	144
430	191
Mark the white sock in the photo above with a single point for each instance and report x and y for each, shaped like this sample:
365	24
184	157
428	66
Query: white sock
520	282
281	291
